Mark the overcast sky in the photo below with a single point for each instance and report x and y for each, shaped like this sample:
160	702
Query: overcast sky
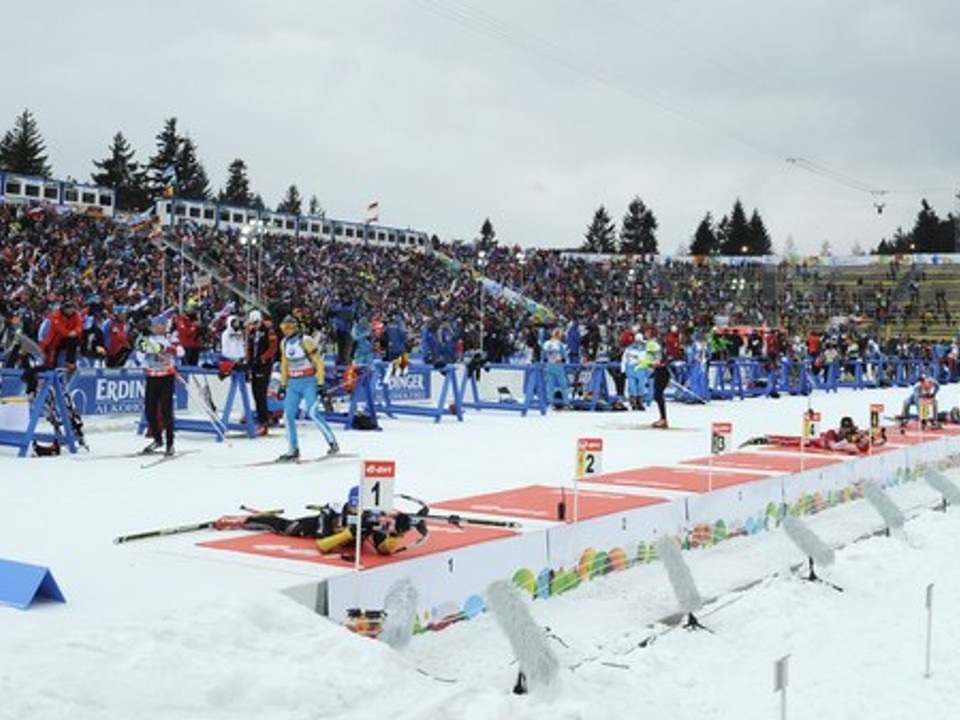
530	112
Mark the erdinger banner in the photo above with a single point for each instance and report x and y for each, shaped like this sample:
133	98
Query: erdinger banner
114	392
411	384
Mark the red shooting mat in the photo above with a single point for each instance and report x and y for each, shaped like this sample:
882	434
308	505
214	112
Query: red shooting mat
842	454
913	436
788	461
689	479
539	502
442	537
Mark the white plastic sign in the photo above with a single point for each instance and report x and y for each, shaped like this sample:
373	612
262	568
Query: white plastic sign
376	484
720	437
811	425
589	456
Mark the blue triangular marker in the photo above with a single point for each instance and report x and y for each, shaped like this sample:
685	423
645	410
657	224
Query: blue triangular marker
21	584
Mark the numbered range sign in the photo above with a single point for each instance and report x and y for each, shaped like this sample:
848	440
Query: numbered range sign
811	425
721	434
589	456
926	409
376	484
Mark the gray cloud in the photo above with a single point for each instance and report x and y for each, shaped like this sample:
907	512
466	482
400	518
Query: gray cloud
532	113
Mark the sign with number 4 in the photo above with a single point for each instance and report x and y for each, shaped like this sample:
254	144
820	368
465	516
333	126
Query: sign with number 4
376	484
811	425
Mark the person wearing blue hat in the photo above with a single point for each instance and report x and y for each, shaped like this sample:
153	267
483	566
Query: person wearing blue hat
301	376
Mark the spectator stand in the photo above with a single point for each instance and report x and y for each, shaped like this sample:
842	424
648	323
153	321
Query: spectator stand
50	391
214	424
534	389
449	388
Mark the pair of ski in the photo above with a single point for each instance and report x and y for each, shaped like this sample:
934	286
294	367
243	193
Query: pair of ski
298	461
150	459
193	527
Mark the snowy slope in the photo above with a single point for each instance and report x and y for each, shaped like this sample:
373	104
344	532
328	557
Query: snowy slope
161	629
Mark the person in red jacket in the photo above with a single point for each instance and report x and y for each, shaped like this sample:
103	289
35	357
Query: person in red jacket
671	345
65	328
190	334
116	337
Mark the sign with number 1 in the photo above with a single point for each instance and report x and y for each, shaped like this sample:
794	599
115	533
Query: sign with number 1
376	484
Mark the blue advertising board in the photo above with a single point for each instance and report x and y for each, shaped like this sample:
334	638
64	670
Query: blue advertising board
412	385
108	392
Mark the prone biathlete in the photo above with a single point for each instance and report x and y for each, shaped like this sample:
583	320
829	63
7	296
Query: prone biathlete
334	530
301	376
926	387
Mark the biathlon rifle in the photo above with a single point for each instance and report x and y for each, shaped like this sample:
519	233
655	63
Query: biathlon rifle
190	527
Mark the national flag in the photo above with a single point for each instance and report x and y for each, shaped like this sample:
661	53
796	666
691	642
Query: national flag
140	220
169	177
373	211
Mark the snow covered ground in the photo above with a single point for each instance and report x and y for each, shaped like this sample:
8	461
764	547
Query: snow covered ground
163	630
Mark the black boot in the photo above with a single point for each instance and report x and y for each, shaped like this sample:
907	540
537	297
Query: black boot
290	456
152	448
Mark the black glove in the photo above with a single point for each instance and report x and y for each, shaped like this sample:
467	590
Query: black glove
402	523
281	392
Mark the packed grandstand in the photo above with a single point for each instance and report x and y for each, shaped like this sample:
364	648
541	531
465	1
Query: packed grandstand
452	298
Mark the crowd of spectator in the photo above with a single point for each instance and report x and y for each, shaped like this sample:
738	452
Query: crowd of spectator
428	297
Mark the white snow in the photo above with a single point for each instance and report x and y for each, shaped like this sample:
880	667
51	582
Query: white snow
163	630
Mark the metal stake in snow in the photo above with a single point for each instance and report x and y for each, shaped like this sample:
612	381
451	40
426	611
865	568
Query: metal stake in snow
780	680
538	664
812	546
893	519
684	587
926	673
943	485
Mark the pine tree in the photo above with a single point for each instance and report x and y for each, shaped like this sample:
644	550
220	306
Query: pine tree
638	232
291	202
167	155
237	190
192	182
736	237
705	239
119	171
314	208
22	148
601	235
488	236
759	243
931	234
